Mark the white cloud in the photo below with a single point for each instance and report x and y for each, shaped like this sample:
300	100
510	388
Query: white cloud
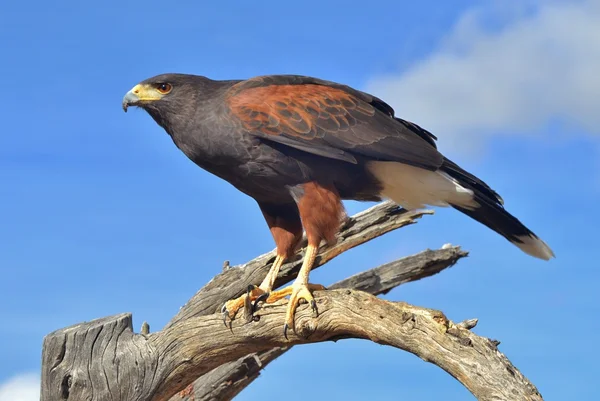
24	387
542	64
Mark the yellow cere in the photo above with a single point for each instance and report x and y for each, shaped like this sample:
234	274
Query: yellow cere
146	92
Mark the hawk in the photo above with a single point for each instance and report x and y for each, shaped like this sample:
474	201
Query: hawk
298	146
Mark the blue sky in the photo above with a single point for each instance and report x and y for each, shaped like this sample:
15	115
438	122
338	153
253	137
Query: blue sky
101	214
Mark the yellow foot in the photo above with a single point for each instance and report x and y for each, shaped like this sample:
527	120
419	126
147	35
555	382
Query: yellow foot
232	306
297	292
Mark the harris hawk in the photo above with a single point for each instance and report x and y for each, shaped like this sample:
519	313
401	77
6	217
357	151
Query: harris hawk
298	146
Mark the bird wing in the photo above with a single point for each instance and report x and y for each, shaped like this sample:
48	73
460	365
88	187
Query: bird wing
329	119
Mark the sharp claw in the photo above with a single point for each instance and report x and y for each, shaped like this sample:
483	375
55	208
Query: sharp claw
248	312
248	308
285	329
225	313
250	288
261	298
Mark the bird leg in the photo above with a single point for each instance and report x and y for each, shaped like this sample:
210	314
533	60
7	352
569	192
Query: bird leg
253	293
300	289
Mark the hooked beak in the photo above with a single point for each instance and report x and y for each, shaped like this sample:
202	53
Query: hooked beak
130	99
140	94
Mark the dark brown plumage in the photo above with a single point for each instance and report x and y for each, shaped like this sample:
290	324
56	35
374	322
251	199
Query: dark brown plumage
299	145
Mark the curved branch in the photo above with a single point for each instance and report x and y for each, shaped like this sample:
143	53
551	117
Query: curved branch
170	359
226	381
475	361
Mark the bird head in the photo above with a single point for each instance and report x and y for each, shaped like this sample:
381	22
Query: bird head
169	92
170	99
156	91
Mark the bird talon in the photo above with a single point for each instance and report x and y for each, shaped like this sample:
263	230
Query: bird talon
225	314
261	298
248	311
285	329
245	301
299	293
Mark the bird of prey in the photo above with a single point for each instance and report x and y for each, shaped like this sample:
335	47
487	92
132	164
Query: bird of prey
298	146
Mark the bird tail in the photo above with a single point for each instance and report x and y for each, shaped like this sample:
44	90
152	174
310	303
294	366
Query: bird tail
450	185
489	211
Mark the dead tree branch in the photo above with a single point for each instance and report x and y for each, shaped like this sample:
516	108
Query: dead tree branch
226	381
105	360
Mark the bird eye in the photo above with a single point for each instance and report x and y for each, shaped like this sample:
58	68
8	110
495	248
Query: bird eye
164	88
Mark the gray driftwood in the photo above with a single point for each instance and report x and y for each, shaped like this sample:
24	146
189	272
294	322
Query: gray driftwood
105	360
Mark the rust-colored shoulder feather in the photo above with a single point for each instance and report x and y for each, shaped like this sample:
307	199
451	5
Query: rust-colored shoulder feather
327	119
308	111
